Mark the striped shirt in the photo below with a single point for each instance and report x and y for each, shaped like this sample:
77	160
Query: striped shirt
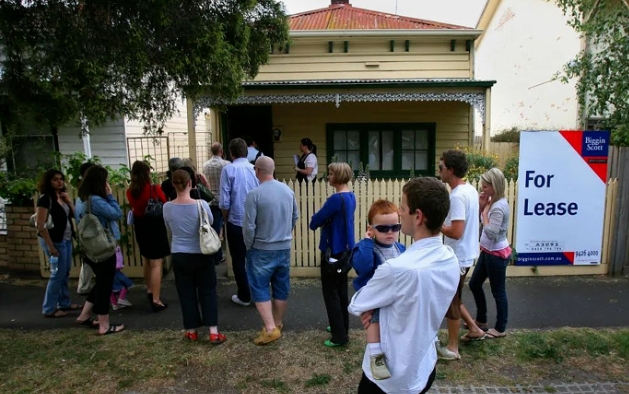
212	170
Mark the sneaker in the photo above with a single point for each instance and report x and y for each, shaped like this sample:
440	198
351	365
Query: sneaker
124	302
378	366
446	354
267	337
118	306
237	301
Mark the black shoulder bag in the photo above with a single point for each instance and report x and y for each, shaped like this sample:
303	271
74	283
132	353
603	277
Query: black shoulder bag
340	263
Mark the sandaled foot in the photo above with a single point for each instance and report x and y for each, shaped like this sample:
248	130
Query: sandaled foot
56	313
113	329
467	338
217	339
495	334
89	322
482	326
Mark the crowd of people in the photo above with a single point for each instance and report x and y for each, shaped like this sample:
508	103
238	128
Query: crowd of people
401	294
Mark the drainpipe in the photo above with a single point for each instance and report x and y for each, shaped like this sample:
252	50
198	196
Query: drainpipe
85	136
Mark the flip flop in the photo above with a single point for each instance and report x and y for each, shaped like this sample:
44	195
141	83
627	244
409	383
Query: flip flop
113	329
467	339
73	307
90	322
493	334
56	313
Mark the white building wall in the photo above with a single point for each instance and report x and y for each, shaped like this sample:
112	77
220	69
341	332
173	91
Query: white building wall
175	131
107	142
524	46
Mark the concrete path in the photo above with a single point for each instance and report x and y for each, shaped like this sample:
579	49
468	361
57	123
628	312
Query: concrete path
537	302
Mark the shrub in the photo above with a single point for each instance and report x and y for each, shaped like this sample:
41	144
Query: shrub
511	168
507	135
479	163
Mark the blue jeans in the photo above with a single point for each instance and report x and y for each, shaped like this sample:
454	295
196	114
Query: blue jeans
217	225
494	268
57	293
268	266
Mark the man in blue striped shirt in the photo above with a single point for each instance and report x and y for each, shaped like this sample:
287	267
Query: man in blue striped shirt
237	180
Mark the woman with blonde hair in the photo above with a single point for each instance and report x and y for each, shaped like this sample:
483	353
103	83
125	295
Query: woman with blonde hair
495	252
336	219
195	273
150	231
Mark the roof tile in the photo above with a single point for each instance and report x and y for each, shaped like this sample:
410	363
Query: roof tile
346	17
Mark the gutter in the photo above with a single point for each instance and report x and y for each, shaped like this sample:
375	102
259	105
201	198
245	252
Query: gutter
445	33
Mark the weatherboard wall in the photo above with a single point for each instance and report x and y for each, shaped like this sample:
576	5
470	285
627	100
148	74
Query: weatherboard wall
309	120
310	59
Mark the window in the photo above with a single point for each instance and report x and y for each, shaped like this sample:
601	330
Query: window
390	149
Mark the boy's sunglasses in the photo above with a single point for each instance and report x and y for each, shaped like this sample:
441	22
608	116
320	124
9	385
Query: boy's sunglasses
383	228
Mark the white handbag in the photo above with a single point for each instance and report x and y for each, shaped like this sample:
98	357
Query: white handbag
48	224
209	241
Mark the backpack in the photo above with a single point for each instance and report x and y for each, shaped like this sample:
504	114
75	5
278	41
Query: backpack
96	241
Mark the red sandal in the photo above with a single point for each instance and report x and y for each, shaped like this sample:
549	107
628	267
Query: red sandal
217	339
193	336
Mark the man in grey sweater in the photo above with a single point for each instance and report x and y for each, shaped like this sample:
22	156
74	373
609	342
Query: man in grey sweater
270	216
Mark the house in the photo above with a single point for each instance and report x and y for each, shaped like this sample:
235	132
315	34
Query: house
367	87
119	142
524	45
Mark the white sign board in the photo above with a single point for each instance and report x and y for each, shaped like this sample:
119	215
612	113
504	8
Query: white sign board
562	182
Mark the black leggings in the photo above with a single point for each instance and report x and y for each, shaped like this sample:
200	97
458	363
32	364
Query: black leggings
104	272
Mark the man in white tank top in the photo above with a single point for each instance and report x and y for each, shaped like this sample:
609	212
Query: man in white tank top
461	231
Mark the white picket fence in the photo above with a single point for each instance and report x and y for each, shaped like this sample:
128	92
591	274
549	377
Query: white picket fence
305	255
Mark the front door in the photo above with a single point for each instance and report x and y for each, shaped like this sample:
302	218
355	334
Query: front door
255	121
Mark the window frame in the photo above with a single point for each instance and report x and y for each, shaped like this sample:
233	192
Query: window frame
397	128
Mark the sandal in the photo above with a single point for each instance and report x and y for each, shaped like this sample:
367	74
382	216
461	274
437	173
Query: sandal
113	329
89	322
73	307
482	326
494	334
467	338
56	313
217	339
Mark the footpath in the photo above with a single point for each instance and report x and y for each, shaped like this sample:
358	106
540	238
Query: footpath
534	303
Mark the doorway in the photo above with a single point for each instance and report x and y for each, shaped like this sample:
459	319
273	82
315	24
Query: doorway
255	121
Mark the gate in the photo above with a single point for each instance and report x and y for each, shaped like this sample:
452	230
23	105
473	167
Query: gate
157	148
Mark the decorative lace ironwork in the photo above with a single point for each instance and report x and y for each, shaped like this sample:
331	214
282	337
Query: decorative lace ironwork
477	100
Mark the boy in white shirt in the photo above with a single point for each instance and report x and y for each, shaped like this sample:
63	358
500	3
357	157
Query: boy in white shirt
413	292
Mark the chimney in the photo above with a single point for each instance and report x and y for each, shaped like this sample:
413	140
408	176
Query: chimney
335	2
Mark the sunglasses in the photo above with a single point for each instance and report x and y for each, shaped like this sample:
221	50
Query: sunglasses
383	228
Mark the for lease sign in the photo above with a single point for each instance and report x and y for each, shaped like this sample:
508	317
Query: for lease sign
561	197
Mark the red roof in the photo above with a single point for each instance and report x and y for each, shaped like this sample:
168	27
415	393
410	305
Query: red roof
345	17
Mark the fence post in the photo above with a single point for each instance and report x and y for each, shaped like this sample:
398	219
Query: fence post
619	262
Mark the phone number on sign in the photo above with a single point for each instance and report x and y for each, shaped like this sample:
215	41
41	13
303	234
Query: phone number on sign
586	253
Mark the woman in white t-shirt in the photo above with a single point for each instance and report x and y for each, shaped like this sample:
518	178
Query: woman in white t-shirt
307	166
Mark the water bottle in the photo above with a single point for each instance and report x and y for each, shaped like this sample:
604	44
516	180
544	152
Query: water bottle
54	266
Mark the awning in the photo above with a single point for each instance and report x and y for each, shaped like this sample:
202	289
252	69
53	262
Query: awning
336	91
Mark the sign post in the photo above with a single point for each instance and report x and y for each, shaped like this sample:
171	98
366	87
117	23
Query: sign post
562	182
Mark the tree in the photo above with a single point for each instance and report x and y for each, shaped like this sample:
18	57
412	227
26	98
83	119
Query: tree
63	59
602	68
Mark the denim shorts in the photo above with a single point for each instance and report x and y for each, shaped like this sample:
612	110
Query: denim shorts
266	267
